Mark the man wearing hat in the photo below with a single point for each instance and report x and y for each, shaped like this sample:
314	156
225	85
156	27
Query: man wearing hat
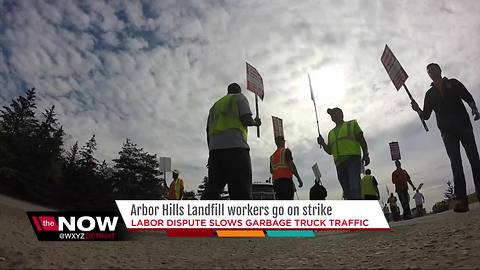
282	169
175	192
346	143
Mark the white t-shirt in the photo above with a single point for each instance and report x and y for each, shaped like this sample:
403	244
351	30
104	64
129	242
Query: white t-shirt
418	198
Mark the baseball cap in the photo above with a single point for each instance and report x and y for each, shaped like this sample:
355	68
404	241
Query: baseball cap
334	110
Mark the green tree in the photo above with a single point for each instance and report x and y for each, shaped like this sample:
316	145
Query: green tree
449	193
136	173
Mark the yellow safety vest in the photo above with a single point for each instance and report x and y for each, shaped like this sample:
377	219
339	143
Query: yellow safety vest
175	190
367	186
342	141
225	116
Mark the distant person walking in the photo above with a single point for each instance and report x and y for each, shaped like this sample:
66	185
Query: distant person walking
392	201
229	154
346	143
419	201
401	179
445	98
386	212
369	186
318	191
176	190
283	169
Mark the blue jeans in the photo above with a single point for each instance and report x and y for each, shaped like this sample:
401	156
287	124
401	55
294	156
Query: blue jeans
452	140
404	198
348	173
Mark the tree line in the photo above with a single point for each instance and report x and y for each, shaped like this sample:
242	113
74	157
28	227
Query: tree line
35	166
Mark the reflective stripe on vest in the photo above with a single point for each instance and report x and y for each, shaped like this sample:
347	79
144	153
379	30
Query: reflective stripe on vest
367	186
175	189
342	141
225	115
279	165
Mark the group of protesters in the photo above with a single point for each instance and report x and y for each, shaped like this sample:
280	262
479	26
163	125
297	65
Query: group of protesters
229	158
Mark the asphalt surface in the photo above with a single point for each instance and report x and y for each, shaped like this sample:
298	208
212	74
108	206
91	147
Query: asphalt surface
445	240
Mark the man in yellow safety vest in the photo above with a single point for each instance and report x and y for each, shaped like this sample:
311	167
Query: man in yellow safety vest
369	186
346	143
229	154
282	169
176	190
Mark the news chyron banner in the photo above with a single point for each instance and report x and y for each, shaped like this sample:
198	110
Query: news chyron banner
77	226
232	218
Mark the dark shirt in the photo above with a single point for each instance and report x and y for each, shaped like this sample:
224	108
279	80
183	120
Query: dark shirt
318	192
400	178
448	106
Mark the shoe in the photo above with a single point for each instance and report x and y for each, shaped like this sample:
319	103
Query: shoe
461	206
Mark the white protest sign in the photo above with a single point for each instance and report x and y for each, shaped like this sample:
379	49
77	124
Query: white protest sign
316	171
277	127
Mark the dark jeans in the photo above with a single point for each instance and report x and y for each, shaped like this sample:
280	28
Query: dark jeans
419	210
348	173
452	140
395	213
284	188
230	167
405	201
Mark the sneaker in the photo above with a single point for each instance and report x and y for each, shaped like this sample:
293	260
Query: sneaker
461	206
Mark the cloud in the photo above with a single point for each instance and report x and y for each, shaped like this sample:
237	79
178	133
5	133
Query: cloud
150	71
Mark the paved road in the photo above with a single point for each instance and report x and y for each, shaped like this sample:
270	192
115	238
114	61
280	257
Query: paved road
446	240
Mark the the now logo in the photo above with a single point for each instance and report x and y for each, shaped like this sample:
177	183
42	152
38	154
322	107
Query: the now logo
87	223
67	225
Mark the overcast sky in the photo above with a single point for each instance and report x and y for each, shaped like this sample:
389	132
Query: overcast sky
150	71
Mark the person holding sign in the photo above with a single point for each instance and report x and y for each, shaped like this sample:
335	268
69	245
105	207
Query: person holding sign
176	189
318	191
283	169
401	179
445	98
346	143
229	153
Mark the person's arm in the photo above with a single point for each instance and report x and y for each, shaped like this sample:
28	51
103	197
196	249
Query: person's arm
375	184
361	140
271	169
325	146
293	168
248	121
427	106
182	189
363	143
409	180
208	138
245	112
467	97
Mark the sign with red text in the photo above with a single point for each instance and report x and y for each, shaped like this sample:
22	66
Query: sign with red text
395	71
254	81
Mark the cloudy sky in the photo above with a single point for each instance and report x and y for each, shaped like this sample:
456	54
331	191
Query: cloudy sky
150	71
